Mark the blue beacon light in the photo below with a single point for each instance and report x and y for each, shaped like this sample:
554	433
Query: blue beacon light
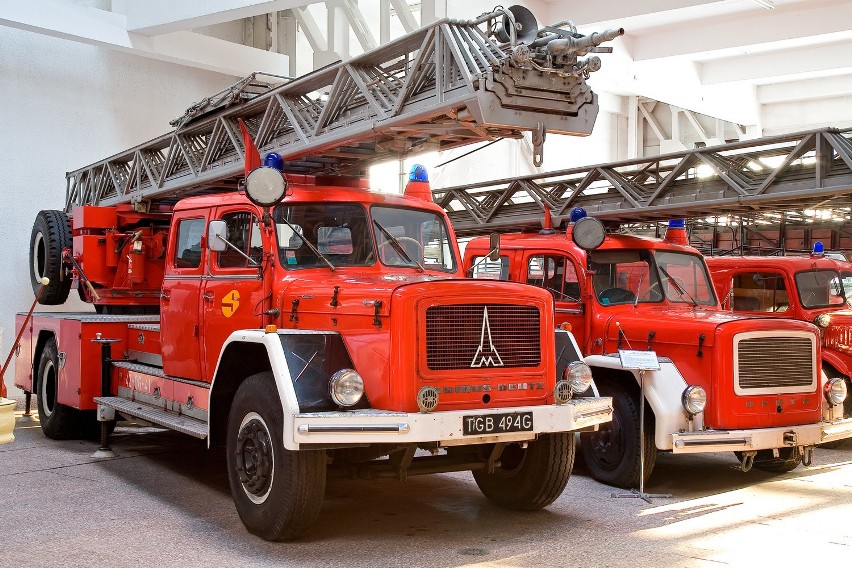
418	173
274	160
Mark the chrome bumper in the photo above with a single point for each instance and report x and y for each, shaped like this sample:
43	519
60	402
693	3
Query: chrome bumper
761	438
378	426
7	420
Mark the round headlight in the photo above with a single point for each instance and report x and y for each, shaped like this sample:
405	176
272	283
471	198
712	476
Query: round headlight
579	377
835	391
346	387
694	399
265	186
823	320
588	233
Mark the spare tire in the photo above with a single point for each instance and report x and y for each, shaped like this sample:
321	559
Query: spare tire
51	235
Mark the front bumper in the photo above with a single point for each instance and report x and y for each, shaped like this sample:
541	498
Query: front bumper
7	420
445	428
761	438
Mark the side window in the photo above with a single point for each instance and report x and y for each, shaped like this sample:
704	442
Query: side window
759	292
244	234
485	269
555	274
571	288
188	244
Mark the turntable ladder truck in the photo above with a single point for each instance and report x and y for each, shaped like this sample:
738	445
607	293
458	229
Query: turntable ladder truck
307	324
747	383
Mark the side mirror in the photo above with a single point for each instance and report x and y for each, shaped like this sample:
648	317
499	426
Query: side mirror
217	236
494	247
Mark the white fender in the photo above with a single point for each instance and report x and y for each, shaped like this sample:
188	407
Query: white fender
280	370
663	390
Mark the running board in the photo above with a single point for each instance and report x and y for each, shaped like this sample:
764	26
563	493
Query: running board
179	423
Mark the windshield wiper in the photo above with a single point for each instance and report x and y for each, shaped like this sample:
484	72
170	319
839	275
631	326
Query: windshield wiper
310	246
677	285
398	247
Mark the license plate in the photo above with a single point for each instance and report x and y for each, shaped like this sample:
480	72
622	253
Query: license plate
497	423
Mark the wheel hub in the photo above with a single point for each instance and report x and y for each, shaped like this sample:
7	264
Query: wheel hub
254	457
608	444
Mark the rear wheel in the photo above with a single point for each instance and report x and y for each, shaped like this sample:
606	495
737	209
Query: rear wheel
58	421
278	493
51	235
788	459
530	478
612	453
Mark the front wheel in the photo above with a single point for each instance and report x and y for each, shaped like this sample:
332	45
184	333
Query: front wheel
58	421
612	453
278	493
530	478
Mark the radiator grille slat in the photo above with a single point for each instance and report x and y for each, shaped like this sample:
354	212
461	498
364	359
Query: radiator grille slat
462	336
837	336
775	362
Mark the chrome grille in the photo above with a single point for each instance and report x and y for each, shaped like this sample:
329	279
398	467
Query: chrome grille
464	336
775	363
838	337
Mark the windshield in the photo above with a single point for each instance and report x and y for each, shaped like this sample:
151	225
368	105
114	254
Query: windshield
643	276
419	235
820	288
339	232
847	286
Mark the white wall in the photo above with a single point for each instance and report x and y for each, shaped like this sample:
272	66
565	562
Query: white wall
65	105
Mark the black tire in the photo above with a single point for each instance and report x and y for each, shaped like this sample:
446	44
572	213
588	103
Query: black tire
612	453
58	421
788	459
51	234
532	478
278	493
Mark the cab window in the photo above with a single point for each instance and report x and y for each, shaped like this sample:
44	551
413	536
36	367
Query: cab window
486	269
624	277
188	244
244	233
759	292
820	288
556	274
339	232
412	237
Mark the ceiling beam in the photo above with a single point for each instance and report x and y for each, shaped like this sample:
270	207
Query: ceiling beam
805	89
107	29
791	26
780	65
155	17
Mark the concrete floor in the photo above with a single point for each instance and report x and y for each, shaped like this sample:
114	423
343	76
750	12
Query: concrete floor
164	501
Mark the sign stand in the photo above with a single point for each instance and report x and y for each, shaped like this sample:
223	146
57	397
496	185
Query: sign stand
640	361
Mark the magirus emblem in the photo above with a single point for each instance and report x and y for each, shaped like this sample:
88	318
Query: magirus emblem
486	354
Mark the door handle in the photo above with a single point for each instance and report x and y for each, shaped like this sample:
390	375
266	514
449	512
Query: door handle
208	296
165	295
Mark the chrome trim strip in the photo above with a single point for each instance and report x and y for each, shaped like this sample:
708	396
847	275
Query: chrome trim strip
713	442
401	428
592	414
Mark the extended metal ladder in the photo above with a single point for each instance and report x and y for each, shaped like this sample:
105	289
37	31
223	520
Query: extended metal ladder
446	85
795	171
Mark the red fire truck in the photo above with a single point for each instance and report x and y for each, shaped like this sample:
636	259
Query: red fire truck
745	383
813	289
301	320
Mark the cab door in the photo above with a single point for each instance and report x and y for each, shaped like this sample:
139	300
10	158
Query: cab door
557	274
180	296
233	294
